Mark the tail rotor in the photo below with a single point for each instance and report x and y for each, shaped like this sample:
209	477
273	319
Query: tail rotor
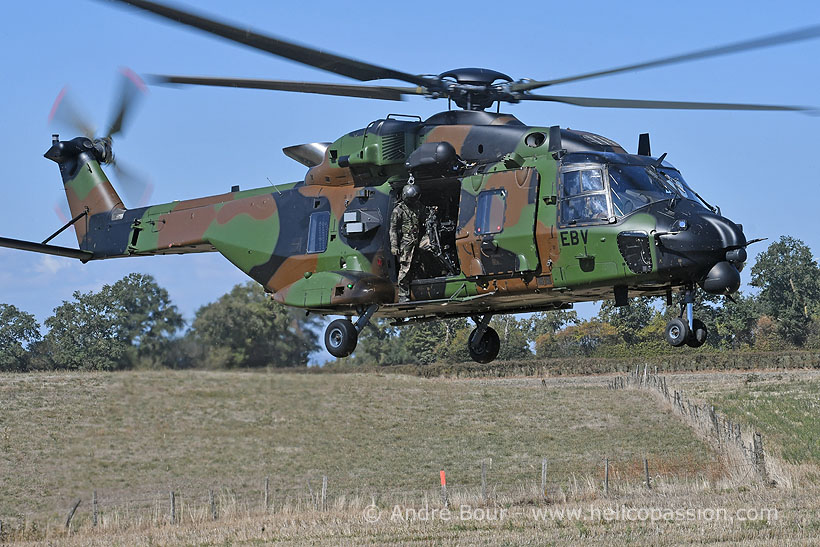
136	187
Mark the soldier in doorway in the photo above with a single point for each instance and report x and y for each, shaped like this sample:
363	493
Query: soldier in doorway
406	223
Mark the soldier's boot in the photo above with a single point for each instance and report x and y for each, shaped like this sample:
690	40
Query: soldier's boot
404	293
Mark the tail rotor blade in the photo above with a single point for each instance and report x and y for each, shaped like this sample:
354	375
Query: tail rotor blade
65	112
61	210
131	90
136	186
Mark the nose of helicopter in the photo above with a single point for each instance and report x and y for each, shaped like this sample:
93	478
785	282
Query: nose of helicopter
724	276
703	247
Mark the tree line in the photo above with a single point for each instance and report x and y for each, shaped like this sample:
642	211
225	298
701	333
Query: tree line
133	324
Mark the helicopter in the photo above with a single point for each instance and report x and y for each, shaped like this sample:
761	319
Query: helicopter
518	218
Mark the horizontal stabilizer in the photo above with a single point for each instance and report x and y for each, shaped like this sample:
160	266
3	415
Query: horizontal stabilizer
309	155
85	256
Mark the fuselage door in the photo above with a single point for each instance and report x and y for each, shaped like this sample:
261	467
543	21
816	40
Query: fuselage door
496	228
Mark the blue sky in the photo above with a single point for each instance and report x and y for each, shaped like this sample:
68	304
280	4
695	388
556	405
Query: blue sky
759	167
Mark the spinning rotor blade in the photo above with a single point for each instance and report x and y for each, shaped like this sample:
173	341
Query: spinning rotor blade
668	105
131	90
136	187
65	112
368	92
330	62
807	33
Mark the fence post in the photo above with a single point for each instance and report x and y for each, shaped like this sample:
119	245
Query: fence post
212	503
312	498
173	507
267	486
71	514
606	476
646	472
484	480
544	477
94	508
324	492
757	455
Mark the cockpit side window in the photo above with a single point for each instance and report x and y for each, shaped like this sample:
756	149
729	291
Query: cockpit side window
583	197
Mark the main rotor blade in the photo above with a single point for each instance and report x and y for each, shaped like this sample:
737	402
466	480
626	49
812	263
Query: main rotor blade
301	54
671	105
807	33
344	90
131	90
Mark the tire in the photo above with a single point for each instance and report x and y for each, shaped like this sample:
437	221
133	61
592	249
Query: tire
698	335
341	338
677	332
486	349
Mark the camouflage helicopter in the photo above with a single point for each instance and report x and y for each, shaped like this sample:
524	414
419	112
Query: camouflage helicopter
518	218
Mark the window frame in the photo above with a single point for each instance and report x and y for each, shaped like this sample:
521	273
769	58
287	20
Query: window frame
315	245
563	199
490	193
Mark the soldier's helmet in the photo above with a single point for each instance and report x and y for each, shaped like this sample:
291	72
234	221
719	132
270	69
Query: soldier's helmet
410	192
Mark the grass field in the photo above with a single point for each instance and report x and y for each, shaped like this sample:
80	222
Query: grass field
134	436
783	406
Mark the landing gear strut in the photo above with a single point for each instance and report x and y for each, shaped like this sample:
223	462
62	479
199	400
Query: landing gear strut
342	335
689	331
483	343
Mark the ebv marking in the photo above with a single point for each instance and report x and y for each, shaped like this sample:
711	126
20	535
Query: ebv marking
573	237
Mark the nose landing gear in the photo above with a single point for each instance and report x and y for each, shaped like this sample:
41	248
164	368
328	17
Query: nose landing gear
689	331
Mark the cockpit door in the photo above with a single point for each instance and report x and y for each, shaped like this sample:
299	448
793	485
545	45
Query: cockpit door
496	226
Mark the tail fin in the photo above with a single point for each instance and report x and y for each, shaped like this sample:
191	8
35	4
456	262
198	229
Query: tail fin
87	188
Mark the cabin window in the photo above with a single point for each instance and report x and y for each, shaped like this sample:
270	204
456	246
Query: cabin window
583	197
489	214
318	231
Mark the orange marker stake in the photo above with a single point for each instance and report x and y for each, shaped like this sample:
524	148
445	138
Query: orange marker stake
443	488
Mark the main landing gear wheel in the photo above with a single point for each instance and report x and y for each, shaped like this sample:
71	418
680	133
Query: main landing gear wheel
486	348
698	334
341	337
677	332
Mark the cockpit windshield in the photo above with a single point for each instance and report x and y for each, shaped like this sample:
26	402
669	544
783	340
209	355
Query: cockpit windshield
593	193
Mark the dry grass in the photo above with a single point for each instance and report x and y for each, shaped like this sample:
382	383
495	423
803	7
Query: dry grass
134	436
703	515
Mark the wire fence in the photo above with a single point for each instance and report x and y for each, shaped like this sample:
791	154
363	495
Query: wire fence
739	444
622	475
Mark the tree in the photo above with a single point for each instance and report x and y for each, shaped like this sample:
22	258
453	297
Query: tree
146	319
789	279
514	335
735	322
432	341
18	330
583	339
83	335
628	320
123	324
550	322
379	344
246	328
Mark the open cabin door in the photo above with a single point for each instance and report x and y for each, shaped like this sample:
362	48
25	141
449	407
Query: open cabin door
496	226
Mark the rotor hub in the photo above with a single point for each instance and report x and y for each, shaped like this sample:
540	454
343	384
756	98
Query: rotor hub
474	88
